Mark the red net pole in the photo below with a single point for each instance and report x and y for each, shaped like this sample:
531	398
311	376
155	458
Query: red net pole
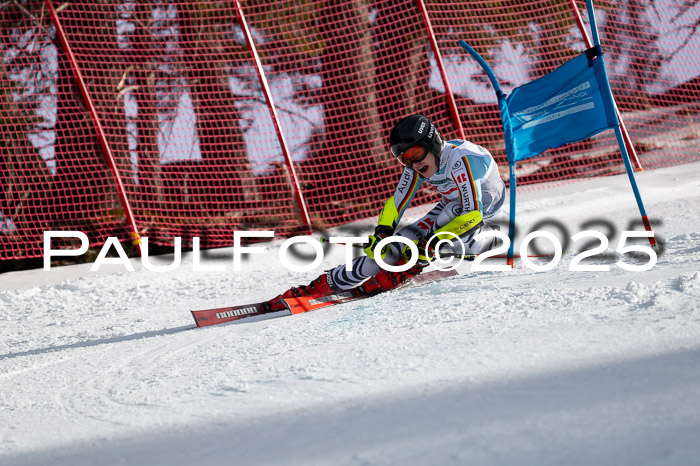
452	104
275	119
625	133
136	239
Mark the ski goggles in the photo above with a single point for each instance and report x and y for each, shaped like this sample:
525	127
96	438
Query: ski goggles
407	156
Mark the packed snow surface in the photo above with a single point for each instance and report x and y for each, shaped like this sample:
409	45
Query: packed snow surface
509	367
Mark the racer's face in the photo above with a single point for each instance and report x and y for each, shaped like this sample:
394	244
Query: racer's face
426	167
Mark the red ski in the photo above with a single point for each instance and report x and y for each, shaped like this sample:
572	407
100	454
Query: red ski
311	303
208	317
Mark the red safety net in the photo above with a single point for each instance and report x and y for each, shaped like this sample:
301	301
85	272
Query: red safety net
186	119
653	61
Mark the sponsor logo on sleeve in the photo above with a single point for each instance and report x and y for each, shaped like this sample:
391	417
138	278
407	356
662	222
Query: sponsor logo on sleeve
405	182
468	201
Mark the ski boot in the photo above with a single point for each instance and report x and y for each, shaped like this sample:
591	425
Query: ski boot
323	286
384	281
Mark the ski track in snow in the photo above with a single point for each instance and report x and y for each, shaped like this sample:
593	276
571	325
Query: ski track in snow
517	367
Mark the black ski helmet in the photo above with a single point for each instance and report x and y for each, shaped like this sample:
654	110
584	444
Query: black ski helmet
415	130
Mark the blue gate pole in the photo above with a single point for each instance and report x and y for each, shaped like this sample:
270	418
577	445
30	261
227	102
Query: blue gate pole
618	133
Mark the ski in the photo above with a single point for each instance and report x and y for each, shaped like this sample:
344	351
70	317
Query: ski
311	303
208	317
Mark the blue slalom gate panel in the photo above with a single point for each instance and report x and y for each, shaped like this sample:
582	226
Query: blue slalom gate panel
564	106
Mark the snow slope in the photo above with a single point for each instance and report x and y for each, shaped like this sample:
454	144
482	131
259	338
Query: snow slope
517	367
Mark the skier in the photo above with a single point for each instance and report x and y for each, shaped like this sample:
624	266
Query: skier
472	195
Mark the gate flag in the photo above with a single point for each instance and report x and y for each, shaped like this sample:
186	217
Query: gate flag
562	107
570	104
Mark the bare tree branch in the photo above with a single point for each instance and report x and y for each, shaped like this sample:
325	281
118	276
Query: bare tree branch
28	13
689	36
687	4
